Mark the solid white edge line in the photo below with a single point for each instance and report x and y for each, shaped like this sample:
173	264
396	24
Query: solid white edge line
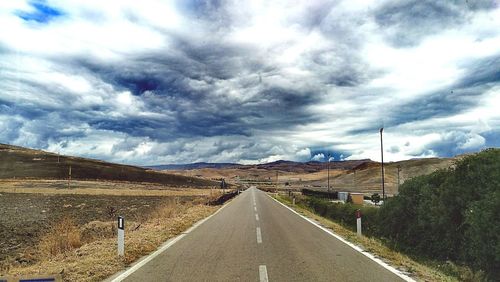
162	248
259	236
357	248
263	273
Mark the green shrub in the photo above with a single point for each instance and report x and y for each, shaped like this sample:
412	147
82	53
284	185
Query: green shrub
450	214
345	214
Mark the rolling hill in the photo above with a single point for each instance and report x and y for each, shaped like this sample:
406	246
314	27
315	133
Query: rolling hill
353	176
23	163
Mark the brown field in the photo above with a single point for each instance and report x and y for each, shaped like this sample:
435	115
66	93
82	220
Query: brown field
96	188
31	209
88	252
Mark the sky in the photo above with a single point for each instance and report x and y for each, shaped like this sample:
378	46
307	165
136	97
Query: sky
158	82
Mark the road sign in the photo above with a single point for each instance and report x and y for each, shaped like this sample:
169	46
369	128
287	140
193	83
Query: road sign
121	235
358	213
358	222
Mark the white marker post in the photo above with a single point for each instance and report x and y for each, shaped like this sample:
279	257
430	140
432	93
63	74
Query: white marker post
294	200
358	222
121	236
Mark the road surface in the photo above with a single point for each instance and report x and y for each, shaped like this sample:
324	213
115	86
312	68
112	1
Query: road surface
254	238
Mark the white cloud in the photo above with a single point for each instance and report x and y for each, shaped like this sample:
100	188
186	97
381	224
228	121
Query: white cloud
304	153
327	70
473	142
318	157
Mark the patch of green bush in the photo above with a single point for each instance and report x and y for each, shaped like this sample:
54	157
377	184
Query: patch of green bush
451	214
345	214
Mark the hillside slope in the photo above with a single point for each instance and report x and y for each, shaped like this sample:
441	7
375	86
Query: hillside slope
353	176
19	162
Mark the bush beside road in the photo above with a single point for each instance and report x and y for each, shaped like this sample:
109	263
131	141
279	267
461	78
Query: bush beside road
448	219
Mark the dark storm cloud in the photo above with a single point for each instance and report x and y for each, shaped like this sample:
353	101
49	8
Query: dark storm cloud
208	10
25	110
231	81
462	95
482	72
454	143
164	83
407	22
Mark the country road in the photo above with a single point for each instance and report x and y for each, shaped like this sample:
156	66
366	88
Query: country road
254	238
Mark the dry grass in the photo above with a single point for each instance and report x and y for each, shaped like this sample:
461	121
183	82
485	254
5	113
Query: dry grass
59	187
97	258
109	192
62	237
416	270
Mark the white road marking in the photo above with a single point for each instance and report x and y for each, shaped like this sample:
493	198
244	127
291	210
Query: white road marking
259	236
257	217
263	273
370	256
255	208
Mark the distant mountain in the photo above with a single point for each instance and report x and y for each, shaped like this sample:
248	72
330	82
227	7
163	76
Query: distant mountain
312	166
282	165
193	166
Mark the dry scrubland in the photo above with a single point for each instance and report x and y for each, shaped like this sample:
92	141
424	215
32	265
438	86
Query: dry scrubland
54	230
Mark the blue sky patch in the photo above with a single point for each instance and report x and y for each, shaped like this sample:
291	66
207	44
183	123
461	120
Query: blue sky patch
42	12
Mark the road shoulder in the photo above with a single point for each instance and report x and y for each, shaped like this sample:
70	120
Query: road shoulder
373	248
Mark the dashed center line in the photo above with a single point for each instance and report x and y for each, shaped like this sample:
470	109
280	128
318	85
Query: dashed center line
263	273
259	236
257	217
255	208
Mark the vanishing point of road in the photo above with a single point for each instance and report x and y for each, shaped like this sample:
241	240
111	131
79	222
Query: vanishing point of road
254	238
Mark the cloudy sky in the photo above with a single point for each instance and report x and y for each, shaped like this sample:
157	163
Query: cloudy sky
154	82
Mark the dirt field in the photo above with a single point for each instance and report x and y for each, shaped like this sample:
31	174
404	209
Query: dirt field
25	217
96	188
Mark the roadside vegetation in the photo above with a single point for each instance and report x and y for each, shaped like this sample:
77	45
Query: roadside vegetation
447	220
74	236
404	263
89	252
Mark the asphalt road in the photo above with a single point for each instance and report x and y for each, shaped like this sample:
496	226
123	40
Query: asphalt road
254	238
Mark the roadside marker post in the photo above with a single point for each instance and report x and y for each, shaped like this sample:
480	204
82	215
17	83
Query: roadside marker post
294	200
358	222
121	236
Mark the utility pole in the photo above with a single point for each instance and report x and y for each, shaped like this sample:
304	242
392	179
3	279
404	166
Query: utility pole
382	154
328	173
399	170
69	177
276	180
354	178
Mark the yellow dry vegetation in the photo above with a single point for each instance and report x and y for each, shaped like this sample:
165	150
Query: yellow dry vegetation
62	237
60	187
109	192
62	251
